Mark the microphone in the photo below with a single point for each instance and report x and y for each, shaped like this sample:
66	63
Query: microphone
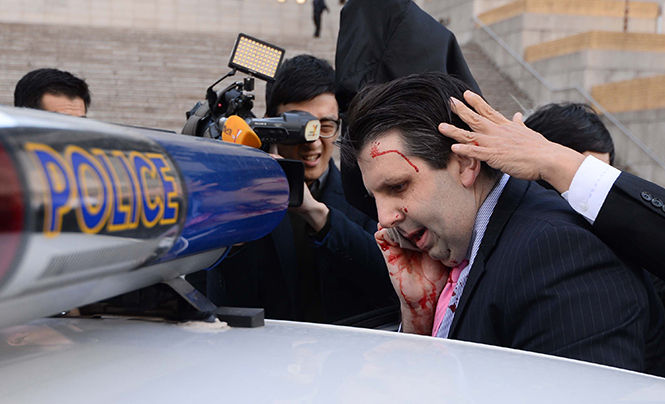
236	130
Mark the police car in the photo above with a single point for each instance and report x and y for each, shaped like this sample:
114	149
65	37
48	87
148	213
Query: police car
90	210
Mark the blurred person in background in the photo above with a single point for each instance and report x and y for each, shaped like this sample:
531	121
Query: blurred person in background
318	7
53	90
576	126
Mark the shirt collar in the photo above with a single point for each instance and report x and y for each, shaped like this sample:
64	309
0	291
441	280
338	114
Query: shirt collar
317	185
483	217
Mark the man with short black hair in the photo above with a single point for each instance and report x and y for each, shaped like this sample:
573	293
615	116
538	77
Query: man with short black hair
53	90
576	126
321	263
479	256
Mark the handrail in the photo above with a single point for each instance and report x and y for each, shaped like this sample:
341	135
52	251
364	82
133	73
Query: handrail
580	90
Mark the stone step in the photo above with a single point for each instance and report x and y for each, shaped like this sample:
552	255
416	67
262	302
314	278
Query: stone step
614	41
497	89
646	93
587	67
526	23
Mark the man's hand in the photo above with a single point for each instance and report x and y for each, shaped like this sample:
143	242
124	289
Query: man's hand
510	146
418	280
314	212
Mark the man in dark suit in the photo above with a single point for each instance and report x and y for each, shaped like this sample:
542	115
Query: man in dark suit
627	212
321	263
479	256
381	40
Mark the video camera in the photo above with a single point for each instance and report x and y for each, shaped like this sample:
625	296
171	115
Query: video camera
211	119
227	114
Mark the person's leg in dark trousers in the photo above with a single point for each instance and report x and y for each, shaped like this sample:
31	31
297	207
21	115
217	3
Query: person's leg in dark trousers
317	23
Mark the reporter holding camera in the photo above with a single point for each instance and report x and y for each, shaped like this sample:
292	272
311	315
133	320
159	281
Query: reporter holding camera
321	263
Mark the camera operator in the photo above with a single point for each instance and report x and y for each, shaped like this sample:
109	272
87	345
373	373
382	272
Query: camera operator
321	264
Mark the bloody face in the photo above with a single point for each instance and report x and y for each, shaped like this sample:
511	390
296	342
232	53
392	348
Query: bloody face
432	208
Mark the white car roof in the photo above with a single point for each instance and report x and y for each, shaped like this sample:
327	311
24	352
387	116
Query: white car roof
120	360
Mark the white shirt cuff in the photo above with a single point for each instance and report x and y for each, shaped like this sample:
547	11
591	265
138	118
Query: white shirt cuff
590	186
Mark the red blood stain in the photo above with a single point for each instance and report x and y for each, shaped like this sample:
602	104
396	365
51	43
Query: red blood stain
452	307
476	143
374	153
423	302
406	210
430	298
382	245
412	264
392	258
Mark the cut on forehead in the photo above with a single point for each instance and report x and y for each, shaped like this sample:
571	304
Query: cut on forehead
384	162
414	105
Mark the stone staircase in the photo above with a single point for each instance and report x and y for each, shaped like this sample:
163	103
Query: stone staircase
574	49
151	77
148	71
145	78
499	90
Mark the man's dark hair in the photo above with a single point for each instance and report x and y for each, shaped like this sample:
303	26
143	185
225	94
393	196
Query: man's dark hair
30	89
299	79
576	126
414	105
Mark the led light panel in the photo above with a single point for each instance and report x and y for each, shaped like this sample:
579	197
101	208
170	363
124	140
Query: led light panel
256	57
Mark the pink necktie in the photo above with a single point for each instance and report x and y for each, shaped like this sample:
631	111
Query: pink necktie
446	294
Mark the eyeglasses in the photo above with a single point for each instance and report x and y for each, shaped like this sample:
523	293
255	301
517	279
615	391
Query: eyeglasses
329	128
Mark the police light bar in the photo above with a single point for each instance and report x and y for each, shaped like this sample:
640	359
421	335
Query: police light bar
256	57
91	210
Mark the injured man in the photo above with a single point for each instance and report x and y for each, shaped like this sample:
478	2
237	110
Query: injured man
476	255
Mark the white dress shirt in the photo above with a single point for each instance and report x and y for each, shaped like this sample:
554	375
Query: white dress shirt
591	184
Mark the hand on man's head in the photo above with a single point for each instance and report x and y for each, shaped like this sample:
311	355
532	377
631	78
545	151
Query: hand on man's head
509	145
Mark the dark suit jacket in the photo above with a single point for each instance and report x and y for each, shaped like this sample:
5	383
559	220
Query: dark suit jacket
353	278
632	222
543	282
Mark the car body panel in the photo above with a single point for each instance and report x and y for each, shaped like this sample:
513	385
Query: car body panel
123	360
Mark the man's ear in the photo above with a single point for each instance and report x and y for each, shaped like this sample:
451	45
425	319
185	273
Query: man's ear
469	169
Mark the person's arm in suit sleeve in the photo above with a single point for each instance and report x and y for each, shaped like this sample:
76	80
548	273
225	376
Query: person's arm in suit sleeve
352	245
632	222
571	296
